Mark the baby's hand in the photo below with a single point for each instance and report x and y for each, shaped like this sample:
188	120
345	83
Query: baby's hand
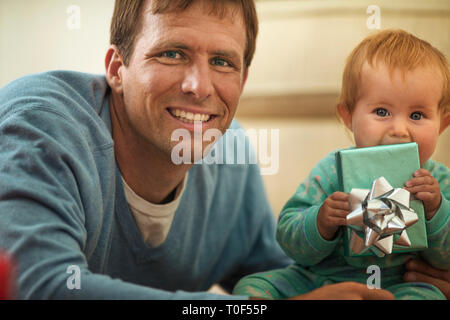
332	214
426	188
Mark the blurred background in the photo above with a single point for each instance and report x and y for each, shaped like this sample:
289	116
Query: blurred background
294	80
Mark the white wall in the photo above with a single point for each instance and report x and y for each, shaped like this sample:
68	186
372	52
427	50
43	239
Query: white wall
303	45
35	37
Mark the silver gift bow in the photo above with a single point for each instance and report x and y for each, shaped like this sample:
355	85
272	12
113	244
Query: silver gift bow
380	213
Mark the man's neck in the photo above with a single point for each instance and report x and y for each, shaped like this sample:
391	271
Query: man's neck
147	171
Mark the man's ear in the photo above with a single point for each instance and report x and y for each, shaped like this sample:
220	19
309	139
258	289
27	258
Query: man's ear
445	121
113	65
345	115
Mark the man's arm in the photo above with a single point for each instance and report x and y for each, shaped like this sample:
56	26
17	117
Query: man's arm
420	271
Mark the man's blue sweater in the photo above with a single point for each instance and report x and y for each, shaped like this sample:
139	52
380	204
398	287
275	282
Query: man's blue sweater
62	204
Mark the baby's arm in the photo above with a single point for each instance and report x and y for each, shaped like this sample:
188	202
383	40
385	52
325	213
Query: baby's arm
437	227
298	231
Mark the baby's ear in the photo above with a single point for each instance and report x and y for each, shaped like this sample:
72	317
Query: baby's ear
345	115
445	121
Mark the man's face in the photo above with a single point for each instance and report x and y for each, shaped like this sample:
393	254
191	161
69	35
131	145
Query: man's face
185	66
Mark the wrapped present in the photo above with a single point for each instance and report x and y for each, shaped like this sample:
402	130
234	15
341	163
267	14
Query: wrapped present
384	218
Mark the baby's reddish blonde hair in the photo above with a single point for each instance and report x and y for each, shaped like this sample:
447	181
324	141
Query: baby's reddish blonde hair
397	49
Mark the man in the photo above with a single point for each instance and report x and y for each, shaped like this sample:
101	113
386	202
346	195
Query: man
92	205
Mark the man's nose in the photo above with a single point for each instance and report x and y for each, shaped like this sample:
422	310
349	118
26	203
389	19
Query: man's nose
197	81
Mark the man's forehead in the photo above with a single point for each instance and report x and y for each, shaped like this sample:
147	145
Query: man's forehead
171	26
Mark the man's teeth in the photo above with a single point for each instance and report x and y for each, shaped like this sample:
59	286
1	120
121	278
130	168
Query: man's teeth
189	116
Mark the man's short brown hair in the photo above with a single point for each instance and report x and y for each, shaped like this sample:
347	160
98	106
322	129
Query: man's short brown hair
127	20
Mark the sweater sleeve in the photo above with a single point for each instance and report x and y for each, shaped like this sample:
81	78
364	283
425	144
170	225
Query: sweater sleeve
437	228
46	186
297	230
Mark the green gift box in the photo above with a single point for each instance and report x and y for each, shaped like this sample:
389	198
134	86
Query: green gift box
358	168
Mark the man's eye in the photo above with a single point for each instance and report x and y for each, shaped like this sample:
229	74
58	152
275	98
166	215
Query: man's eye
220	62
416	115
171	54
381	112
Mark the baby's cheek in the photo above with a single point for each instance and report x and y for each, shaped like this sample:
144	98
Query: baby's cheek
426	150
367	134
366	140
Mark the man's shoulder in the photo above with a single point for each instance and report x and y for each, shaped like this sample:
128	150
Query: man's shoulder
56	100
54	89
53	78
67	76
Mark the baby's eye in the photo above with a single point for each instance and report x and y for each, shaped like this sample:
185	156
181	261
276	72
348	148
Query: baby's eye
416	115
381	112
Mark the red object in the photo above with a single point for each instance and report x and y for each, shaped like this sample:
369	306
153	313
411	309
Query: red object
6	276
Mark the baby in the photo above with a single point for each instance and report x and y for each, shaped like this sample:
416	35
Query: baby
396	89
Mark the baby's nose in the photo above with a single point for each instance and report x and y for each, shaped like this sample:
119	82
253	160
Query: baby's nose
399	129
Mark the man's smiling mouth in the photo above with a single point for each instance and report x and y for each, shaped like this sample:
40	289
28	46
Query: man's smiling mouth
190	117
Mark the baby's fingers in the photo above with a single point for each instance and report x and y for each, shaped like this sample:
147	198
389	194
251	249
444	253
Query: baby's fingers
337	217
422	188
333	217
338	200
426	196
339	196
417	181
422	173
339	205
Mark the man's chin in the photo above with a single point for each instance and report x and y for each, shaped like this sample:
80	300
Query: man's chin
190	152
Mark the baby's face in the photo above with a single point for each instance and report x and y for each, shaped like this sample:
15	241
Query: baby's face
398	108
